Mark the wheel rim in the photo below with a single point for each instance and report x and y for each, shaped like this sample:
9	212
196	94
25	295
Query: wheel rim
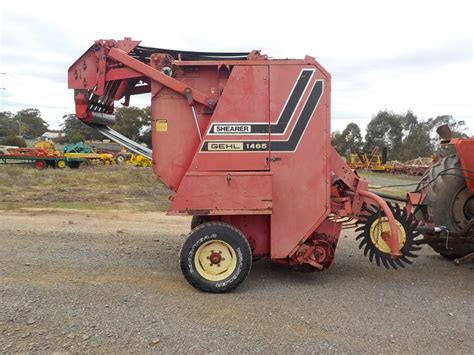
381	226
40	165
61	164
215	260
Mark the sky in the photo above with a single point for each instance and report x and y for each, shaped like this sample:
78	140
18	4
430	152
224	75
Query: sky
395	55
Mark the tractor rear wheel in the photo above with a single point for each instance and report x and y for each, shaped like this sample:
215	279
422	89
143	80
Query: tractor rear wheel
449	204
216	257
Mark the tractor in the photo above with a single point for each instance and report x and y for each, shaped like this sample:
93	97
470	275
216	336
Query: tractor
444	200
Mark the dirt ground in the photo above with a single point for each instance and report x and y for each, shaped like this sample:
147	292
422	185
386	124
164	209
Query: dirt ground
109	281
88	262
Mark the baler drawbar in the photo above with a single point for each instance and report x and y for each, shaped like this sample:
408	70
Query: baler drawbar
243	141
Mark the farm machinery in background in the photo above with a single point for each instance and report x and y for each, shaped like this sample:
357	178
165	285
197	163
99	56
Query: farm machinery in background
376	161
418	166
120	154
86	154
44	155
243	142
39	157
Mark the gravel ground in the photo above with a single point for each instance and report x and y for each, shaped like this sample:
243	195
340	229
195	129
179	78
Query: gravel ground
75	281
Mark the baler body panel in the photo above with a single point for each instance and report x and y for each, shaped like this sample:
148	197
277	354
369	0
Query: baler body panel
301	179
172	121
244	102
211	193
175	136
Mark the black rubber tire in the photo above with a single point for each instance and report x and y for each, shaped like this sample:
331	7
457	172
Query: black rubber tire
216	231
196	221
441	194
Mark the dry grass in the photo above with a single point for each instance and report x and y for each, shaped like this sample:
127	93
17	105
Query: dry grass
396	184
98	187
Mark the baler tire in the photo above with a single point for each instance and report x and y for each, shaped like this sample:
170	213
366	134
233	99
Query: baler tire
440	197
197	221
235	247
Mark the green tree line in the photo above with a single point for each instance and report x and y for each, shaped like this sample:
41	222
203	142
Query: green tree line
133	122
404	135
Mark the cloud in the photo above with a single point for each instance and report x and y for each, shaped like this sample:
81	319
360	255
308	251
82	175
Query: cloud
390	54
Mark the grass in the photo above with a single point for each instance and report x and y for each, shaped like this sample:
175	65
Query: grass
95	187
397	184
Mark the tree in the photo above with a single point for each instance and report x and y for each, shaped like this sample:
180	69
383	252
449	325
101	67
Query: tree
337	142
32	124
133	122
8	126
457	127
130	120
416	141
385	130
73	127
14	141
350	140
352	137
76	137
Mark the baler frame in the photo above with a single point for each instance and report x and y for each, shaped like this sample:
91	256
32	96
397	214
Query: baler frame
248	166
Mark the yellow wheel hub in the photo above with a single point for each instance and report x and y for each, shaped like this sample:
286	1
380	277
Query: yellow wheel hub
380	227
61	164
215	260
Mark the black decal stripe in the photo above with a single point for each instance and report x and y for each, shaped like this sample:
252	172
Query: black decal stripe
305	116
279	146
286	114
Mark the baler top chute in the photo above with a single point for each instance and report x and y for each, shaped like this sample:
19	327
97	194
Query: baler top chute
244	142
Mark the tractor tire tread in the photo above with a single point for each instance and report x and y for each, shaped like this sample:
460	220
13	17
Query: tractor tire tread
439	195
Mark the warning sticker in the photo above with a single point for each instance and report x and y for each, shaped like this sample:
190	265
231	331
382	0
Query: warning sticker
161	125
